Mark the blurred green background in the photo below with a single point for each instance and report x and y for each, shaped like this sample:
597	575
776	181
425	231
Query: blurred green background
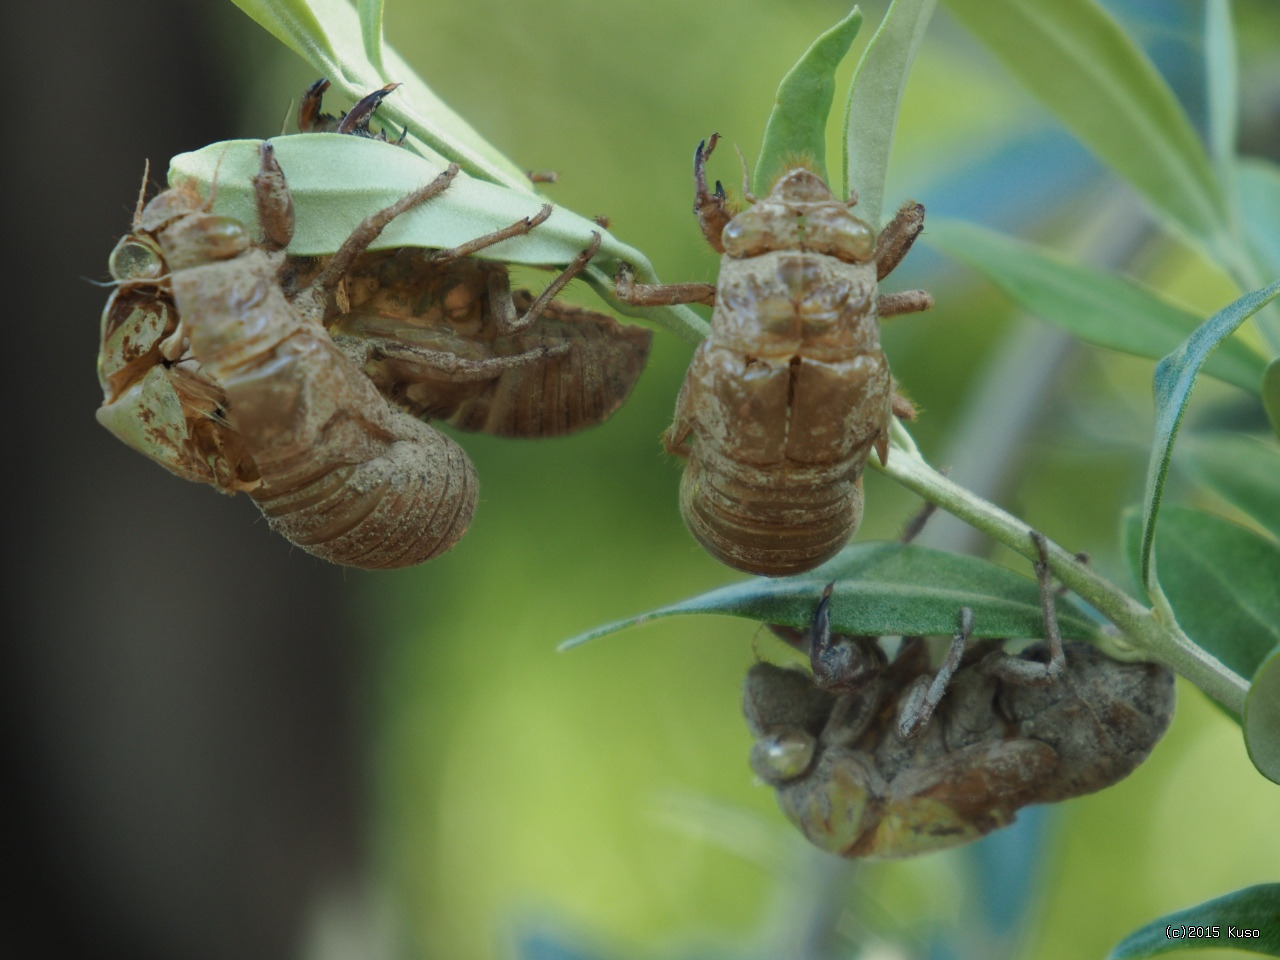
461	790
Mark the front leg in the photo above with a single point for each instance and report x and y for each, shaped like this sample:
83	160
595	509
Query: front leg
421	363
712	209
517	229
502	307
660	294
921	699
905	301
897	237
310	300
1029	672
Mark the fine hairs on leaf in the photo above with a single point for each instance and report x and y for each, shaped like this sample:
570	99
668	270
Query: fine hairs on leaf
871	115
1174	377
797	123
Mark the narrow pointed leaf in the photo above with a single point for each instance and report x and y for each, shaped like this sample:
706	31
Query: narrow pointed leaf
797	126
1174	377
886	589
1271	394
293	23
337	180
1258	182
1262	718
1220	580
371	31
1081	64
329	201
1223	76
1098	306
874	98
1252	909
1243	470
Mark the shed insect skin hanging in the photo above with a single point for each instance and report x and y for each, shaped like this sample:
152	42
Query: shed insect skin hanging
443	334
886	759
209	369
789	394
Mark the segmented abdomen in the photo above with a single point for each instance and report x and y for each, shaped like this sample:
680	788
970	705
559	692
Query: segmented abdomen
580	387
773	521
342	473
773	485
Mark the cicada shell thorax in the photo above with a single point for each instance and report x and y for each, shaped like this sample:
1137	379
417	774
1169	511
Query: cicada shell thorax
429	337
285	414
787	396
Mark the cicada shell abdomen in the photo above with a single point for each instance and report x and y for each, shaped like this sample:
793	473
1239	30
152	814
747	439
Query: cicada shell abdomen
788	395
342	473
428	335
591	363
210	369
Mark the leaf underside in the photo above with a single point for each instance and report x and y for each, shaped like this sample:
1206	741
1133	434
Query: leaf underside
886	589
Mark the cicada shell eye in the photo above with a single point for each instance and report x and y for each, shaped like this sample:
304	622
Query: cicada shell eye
833	806
136	258
833	230
760	229
783	756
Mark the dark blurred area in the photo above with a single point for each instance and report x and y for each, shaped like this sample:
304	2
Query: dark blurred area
203	789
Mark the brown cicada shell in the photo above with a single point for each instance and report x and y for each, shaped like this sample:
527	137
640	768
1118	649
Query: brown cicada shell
442	333
210	369
883	760
854	785
790	392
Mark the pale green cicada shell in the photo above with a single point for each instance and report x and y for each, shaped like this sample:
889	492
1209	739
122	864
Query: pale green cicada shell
149	401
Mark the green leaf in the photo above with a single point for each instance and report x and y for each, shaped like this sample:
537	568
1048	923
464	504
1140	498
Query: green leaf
329	201
328	35
1098	306
1174	377
1271	394
1223	76
1220	580
798	123
1078	60
874	98
293	23
1253	908
1262	718
371	31
1258	183
885	589
1242	470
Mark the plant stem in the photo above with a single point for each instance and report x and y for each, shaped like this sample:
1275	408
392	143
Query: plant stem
1153	631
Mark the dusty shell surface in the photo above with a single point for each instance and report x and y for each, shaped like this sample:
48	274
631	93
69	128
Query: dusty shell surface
426	333
209	369
854	786
790	392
